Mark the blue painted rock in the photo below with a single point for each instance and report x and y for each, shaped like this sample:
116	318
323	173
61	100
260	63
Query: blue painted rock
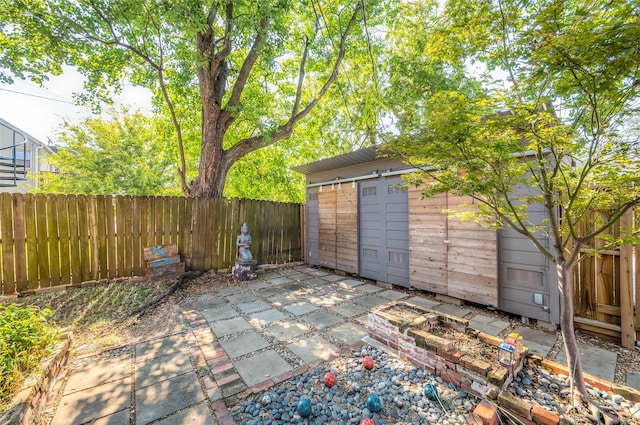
374	403
304	407
431	392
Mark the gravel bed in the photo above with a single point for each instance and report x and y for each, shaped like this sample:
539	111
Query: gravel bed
398	384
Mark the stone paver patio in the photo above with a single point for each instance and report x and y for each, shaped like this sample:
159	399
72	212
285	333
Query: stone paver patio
246	338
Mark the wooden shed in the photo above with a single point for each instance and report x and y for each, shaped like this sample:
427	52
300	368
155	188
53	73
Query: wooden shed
361	220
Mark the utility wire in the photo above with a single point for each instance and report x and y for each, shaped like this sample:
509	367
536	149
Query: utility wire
38	96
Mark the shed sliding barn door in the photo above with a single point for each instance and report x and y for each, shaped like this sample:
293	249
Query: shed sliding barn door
450	256
384	237
337	217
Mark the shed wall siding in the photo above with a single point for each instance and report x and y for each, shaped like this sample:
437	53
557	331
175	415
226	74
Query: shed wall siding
448	255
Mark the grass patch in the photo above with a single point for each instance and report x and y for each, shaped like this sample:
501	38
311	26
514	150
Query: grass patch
27	335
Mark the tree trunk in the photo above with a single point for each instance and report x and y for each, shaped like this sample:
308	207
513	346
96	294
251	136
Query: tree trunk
213	166
574	361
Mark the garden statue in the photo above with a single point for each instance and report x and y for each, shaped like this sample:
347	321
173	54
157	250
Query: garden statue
246	266
244	242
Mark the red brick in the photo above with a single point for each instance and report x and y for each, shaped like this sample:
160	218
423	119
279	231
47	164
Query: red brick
257	388
487	413
221	367
453	355
544	417
282	377
228	379
515	405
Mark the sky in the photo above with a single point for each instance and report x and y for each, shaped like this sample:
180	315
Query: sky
39	111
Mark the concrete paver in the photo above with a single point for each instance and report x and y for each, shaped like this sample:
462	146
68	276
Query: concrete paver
288	330
283	299
423	302
368	288
92	403
488	324
262	366
258	285
391	295
244	344
161	347
352	283
300	308
453	310
539	342
348	333
313	348
207	301
322	319
98	373
241	298
118	418
220	313
199	415
266	317
371	301
230	326
280	281
158	369
349	309
633	380
595	361
168	396
332	277
229	290
253	306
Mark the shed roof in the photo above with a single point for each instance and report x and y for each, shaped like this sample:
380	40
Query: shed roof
359	156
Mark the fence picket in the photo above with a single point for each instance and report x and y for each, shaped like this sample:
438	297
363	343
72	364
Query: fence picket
43	241
31	244
62	210
75	242
8	263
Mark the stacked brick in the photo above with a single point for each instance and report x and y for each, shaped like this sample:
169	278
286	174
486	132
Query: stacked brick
415	343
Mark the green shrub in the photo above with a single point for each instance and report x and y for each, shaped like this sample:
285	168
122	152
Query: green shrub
27	335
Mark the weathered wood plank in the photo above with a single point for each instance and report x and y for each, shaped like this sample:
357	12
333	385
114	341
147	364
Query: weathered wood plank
85	226
127	237
136	227
101	219
19	239
43	241
64	235
8	263
31	242
75	261
121	230
110	224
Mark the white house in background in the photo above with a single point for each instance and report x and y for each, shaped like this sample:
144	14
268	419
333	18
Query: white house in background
22	159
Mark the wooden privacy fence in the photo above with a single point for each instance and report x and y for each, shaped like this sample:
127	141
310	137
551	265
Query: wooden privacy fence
51	240
606	287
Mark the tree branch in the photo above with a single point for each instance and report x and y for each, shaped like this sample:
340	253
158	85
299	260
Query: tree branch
284	131
246	68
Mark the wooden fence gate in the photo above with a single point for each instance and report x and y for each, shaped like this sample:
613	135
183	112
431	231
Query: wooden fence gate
606	288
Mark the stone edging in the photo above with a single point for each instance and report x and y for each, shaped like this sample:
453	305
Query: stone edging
29	401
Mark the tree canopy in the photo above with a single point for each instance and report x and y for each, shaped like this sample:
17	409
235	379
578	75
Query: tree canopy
121	154
238	75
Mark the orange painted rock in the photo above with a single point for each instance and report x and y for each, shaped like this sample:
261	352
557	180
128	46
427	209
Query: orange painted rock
367	421
329	379
367	362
